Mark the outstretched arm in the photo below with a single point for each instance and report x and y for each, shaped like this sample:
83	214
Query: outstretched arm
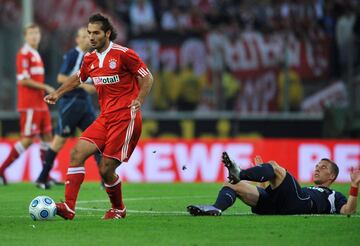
71	84
89	88
351	205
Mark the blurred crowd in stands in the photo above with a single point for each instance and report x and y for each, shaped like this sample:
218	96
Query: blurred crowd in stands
306	19
314	21
330	25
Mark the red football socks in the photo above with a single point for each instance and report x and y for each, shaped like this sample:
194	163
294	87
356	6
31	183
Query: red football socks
15	152
74	178
115	194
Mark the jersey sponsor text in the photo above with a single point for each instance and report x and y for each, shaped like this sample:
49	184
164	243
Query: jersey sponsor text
106	79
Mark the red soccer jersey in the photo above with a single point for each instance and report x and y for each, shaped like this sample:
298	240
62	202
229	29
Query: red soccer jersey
114	74
29	65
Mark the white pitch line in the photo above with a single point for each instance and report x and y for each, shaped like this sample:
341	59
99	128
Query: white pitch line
226	214
147	199
151	211
135	211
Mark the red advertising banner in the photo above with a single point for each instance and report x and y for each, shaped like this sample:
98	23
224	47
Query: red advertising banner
197	160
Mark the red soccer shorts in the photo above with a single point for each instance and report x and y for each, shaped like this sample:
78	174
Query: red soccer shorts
115	136
34	122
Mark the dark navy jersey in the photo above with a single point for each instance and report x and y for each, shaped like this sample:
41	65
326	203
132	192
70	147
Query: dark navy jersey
71	64
326	201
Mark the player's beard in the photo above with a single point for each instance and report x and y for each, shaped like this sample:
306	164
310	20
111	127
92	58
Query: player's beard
101	45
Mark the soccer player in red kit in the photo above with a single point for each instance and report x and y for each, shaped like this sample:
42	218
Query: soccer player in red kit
34	113
122	82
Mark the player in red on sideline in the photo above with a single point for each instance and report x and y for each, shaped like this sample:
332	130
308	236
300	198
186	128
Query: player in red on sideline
35	116
122	82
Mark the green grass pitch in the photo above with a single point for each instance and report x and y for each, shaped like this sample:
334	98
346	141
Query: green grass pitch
157	216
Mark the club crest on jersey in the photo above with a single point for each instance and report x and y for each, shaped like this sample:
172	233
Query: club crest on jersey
112	63
106	79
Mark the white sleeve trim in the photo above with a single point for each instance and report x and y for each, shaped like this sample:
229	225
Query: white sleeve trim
24	75
143	71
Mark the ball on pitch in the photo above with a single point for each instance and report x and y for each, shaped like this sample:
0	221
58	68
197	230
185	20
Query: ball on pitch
42	208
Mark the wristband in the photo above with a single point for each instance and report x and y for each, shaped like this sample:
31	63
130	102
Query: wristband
354	191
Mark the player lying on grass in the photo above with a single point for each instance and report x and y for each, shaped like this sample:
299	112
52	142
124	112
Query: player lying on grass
283	195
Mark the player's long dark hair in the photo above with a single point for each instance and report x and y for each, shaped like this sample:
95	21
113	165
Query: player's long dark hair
105	24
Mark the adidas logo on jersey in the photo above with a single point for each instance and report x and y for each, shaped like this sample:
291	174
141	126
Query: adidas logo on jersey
106	79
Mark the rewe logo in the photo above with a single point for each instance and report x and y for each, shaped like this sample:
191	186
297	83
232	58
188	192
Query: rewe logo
106	79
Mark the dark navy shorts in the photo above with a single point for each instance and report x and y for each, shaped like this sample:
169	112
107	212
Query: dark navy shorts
288	198
73	113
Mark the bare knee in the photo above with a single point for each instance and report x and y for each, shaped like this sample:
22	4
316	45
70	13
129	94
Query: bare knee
82	150
104	170
248	193
107	169
26	142
238	188
76	157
